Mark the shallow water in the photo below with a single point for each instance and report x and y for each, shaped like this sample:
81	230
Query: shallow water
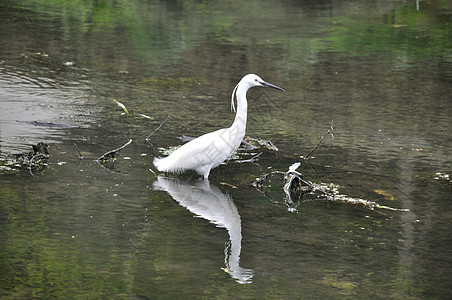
379	72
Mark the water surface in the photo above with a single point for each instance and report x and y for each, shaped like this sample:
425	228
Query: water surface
379	72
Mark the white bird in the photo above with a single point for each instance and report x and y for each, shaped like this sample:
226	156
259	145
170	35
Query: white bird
211	149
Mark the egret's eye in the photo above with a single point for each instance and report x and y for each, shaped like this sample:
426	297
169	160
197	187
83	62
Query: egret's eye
256	80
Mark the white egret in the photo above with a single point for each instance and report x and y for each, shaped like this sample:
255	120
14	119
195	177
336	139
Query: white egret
211	149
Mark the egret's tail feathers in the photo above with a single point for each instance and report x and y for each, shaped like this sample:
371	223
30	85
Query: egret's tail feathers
166	165
157	163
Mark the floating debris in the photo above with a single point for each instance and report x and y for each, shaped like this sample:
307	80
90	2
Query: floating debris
123	107
229	185
146	116
442	176
35	161
250	143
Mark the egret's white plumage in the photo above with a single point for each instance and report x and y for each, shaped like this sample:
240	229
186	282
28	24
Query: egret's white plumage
211	149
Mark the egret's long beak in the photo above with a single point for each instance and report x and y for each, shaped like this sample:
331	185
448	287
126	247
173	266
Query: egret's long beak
266	84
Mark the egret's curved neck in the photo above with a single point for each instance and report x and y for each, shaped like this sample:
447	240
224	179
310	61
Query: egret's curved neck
242	107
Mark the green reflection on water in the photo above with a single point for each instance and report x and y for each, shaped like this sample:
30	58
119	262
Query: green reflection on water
408	33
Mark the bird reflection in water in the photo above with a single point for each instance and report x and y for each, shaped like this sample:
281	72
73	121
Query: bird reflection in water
207	201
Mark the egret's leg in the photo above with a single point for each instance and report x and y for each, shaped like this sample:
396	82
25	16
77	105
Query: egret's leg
206	175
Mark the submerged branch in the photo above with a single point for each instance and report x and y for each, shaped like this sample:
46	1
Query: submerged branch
296	185
108	158
259	182
331	192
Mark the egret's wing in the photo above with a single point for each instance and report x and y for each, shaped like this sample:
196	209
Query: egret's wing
209	149
206	149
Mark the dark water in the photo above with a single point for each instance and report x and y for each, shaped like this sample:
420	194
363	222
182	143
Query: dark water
381	71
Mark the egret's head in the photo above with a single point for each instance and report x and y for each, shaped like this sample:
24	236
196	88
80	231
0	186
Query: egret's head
254	80
248	81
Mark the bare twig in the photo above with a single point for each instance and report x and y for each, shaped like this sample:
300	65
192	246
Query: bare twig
329	132
250	160
80	156
110	155
152	133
